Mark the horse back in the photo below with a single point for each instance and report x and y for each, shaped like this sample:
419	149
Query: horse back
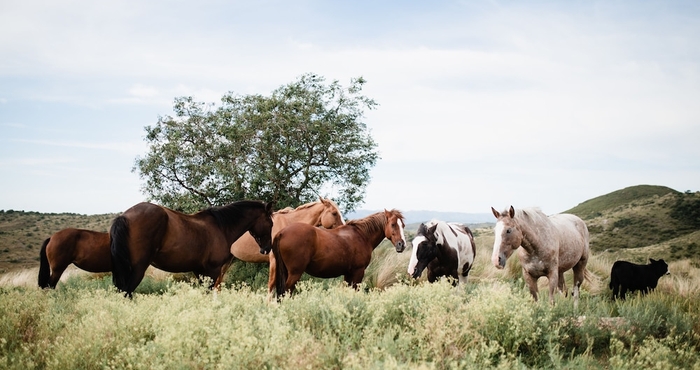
573	239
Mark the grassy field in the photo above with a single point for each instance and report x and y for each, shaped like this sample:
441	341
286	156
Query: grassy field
391	322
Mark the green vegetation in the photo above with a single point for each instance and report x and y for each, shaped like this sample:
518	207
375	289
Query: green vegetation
641	217
392	322
86	324
287	147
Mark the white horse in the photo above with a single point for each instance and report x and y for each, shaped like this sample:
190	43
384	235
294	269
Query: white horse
549	246
446	249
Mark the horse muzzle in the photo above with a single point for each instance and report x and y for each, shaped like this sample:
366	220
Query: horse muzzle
499	261
265	250
400	246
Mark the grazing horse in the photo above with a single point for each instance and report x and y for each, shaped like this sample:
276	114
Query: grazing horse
446	249
149	234
321	213
87	249
549	246
345	250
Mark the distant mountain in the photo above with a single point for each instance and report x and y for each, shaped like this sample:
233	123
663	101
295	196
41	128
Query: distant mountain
412	217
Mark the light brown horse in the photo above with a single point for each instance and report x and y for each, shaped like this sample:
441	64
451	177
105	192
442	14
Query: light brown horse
547	246
324	213
345	250
149	234
87	249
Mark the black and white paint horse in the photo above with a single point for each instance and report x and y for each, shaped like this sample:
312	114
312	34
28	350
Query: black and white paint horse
446	249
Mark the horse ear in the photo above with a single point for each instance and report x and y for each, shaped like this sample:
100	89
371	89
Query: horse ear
321	199
496	213
651	260
511	212
432	229
268	207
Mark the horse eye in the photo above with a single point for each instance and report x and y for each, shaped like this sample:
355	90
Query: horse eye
508	231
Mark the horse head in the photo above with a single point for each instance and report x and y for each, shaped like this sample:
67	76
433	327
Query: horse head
330	216
262	229
425	249
393	230
508	237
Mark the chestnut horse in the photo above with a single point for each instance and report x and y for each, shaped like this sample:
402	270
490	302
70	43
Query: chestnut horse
324	213
149	234
549	246
445	249
87	249
345	250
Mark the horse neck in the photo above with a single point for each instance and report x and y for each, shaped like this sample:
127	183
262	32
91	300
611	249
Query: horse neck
372	229
533	235
309	215
233	229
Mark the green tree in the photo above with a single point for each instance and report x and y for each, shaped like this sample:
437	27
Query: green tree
306	138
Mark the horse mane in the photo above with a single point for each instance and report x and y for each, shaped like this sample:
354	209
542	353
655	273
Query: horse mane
374	222
535	225
232	213
299	208
531	215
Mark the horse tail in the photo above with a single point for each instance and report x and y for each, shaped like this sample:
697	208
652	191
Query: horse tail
281	272
44	267
121	259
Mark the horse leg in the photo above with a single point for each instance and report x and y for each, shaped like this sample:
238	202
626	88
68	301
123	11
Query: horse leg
553	285
354	278
222	273
579	275
271	279
531	283
562	284
291	283
56	275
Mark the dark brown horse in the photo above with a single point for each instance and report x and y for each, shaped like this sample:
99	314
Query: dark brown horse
345	250
149	234
87	249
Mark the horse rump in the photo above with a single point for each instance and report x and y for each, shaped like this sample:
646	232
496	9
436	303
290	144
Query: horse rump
44	267
121	259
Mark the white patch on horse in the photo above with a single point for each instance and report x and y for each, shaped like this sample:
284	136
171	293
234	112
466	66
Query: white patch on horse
498	231
414	257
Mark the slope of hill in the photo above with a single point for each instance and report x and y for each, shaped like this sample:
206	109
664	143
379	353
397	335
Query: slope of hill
594	207
642	216
22	233
655	221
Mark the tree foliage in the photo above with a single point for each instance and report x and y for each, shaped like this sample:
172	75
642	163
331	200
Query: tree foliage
307	138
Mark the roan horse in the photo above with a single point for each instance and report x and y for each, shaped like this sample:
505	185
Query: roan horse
149	234
87	249
345	250
549	247
446	249
324	213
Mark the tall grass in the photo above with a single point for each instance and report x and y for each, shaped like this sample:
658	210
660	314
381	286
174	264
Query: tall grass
392	322
86	324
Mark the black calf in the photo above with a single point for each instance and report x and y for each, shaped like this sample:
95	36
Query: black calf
629	277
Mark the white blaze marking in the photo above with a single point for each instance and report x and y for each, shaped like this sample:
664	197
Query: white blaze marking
498	230
414	256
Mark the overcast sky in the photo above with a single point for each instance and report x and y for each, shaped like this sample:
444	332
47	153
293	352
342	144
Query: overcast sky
481	103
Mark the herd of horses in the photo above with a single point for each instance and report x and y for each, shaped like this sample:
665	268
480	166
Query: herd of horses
314	239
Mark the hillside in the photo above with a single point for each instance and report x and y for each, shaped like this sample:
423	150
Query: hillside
644	216
22	233
639	221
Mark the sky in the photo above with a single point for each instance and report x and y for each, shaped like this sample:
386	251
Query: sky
481	103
